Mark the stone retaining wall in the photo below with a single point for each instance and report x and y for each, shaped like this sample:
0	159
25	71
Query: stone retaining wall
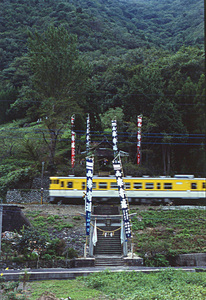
192	259
27	196
183	260
36	264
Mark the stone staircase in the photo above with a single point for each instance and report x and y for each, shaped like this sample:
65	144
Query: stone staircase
108	250
108	244
112	261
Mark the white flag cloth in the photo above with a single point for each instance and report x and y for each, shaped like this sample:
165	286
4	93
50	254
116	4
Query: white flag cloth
122	232
94	238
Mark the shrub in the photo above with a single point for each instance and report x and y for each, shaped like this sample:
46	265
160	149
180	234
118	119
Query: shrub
71	253
158	260
31	239
47	256
56	247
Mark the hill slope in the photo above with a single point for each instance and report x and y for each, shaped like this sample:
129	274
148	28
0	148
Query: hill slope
102	25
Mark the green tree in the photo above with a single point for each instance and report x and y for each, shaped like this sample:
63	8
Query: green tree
111	114
8	95
60	79
169	122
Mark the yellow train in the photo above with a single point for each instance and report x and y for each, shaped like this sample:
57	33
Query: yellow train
177	189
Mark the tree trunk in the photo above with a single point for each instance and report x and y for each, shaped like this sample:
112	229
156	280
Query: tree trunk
164	158
52	146
168	159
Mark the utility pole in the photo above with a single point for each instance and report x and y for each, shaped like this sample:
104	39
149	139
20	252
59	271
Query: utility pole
42	189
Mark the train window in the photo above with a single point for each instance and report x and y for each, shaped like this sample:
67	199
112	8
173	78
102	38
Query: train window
70	184
193	185
137	185
94	186
55	181
62	183
149	185
102	185
113	185
127	185
203	185
158	185
83	185
167	185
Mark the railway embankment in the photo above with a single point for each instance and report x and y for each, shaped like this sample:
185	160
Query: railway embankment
154	227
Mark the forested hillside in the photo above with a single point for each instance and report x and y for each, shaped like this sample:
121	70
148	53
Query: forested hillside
106	58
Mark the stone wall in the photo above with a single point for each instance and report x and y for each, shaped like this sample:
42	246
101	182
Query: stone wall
30	192
27	196
36	264
13	218
192	259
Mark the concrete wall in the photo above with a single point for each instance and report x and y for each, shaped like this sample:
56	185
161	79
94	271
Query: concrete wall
34	264
192	259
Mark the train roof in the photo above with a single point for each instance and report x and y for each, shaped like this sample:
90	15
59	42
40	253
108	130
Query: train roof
181	176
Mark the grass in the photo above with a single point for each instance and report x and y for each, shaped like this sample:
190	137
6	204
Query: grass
52	222
169	232
64	288
166	284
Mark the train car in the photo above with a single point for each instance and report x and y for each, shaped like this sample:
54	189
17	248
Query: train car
180	189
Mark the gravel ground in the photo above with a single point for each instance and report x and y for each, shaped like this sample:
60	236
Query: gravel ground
61	210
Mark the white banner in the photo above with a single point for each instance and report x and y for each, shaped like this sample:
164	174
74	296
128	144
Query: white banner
114	137
123	199
72	142
88	198
139	127
94	238
88	135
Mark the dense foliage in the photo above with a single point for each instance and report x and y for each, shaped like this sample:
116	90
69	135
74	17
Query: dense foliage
107	58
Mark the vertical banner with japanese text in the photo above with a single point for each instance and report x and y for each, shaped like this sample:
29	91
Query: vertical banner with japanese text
114	137
72	141
88	135
139	127
88	199
122	195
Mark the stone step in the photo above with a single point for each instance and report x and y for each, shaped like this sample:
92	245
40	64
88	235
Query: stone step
111	251
109	261
109	244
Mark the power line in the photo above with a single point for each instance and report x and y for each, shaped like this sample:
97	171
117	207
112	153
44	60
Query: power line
120	142
103	134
